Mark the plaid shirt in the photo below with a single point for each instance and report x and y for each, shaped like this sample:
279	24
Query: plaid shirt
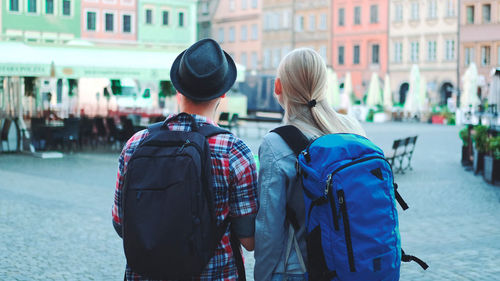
235	182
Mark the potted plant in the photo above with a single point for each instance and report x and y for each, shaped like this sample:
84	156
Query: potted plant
492	160
480	138
464	136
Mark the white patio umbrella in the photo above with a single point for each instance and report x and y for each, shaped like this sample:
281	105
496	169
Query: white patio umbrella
374	95
387	93
422	97
494	97
411	102
470	82
333	94
347	95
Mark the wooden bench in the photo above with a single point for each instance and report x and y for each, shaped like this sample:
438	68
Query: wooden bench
402	153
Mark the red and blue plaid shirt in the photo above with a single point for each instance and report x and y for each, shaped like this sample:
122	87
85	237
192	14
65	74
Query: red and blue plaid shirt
235	182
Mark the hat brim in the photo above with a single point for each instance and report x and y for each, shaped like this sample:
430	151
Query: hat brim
201	94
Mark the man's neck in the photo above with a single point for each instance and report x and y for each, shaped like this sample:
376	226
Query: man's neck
207	113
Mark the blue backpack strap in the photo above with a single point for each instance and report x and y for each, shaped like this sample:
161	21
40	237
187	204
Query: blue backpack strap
409	258
295	139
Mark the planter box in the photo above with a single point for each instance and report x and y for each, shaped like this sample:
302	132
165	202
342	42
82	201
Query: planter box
478	161
437	119
491	169
380	117
466	156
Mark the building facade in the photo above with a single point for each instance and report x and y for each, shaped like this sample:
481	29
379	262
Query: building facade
168	23
480	38
360	35
109	21
44	21
424	33
237	28
206	12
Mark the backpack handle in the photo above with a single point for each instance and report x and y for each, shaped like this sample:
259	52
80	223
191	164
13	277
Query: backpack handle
194	126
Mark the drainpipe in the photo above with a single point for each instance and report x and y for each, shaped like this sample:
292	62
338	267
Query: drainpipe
459	46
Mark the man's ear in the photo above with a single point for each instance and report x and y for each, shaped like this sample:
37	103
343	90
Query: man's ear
278	90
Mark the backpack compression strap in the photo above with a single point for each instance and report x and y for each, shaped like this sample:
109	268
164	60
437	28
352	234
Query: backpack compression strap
293	137
409	258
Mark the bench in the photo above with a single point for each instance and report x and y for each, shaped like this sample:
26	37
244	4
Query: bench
229	123
402	153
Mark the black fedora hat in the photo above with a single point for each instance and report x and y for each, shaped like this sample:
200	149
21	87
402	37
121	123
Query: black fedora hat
203	72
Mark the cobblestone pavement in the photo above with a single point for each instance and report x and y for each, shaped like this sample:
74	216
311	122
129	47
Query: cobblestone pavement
55	214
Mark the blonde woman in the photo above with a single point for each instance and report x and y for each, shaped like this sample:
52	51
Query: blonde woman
280	251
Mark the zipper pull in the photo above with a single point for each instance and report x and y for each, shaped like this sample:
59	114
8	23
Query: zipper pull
341	198
328	184
184	145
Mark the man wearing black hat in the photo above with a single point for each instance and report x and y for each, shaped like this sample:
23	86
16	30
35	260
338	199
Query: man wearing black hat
202	75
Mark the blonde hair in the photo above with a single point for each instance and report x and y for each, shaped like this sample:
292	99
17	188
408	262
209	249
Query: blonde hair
303	78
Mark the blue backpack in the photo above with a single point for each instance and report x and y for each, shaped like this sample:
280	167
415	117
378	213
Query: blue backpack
350	199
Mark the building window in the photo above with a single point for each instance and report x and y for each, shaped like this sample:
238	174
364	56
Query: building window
432	9
450	8
469	56
91	21
254	60
66	11
357	15
232	5
431	50
498	55
244	33
267	58
398	13
450	50
485	55
232	34
355	59
486	13
127	23
375	54
415	10
254	4
49	7
286	18
165	18
398	52
243	4
373	13
312	22
341	16
108	22
414	51
204	8
181	19
14	6
255	32
276	57
149	16
243	59
470	14
221	35
322	52
322	22
341	55
275	21
31	6
300	23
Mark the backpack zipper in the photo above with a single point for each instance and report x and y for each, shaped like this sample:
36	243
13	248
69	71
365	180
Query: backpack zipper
347	230
329	186
183	144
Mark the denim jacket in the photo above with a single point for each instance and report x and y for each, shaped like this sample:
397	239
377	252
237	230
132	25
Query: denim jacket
278	184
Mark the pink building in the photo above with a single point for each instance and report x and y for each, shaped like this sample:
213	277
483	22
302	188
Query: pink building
360	34
109	21
236	26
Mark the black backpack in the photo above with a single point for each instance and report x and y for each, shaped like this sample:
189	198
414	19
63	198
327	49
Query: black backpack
169	223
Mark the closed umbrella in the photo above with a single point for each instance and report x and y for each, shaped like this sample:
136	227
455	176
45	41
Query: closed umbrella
333	94
494	96
422	97
374	97
387	93
470	81
347	96
411	102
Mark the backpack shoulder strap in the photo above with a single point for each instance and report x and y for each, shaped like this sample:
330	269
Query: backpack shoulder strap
211	130
295	139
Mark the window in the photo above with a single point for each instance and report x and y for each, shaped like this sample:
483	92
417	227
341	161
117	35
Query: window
470	14
232	5
450	50
469	56
127	23
66	9
373	13
355	59
181	19
341	16
14	6
322	22
275	23
341	55
415	10
312	22
232	34
398	52
255	32
149	16
414	52
108	22
485	55
432	9
486	13
244	5
221	35
450	8
398	13
244	33
286	18
357	15
243	59
204	8
254	4
498	55
254	60
431	50
31	6
300	23
91	21
165	18
276	57
322	52
49	7
375	54
267	58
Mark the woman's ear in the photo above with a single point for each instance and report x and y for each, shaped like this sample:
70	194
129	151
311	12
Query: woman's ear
278	90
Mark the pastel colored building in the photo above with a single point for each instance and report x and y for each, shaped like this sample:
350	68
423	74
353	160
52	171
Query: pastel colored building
360	35
170	22
47	21
206	12
236	25
424	33
109	21
480	38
